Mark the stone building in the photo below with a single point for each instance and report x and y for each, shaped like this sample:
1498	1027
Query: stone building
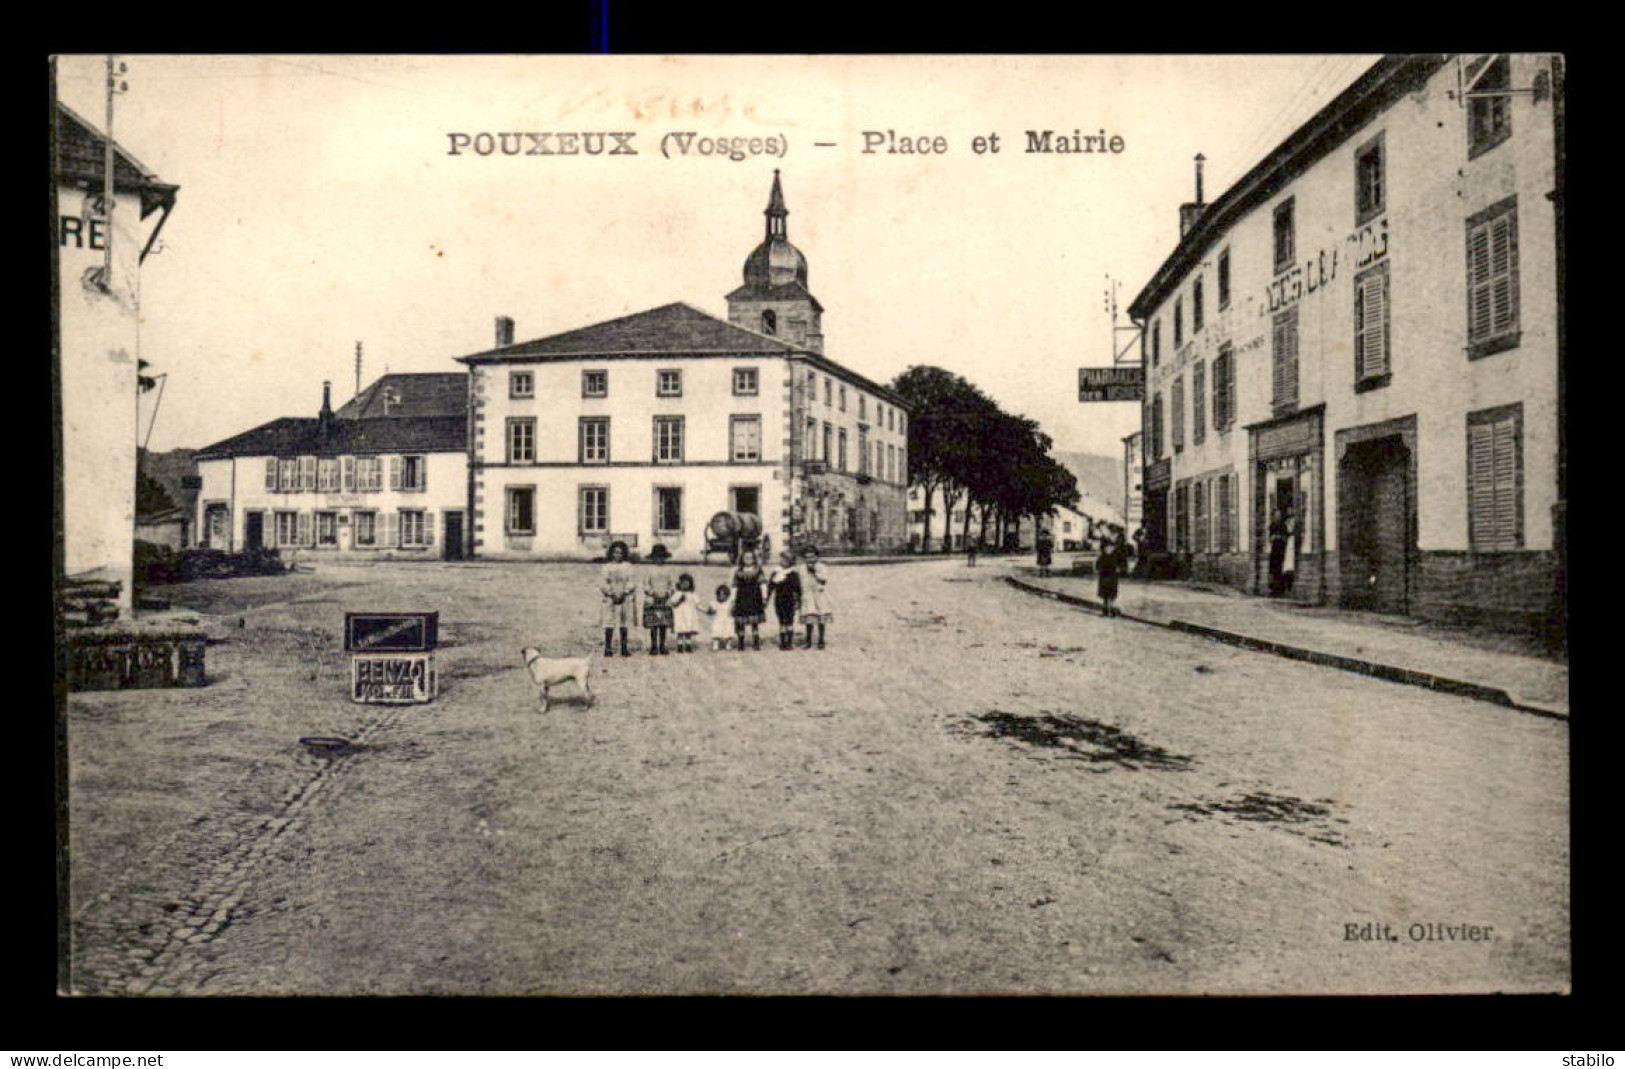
384	477
98	255
642	428
1361	339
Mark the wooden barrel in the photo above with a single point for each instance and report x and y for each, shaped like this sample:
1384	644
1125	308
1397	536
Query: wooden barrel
725	526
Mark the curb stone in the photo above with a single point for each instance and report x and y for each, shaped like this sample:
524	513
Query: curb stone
1376	670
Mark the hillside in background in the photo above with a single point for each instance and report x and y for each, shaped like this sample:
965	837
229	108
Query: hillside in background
167	468
1100	479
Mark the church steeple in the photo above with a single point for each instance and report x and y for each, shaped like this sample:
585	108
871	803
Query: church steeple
774	299
776	211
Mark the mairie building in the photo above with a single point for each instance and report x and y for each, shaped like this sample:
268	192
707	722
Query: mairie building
1364	334
642	428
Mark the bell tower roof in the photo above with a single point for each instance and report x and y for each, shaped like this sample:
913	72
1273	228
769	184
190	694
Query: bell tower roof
775	261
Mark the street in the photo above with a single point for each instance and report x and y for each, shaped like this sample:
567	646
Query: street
973	790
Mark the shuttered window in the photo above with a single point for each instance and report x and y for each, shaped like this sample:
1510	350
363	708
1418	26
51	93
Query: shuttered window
270	474
1492	279
1182	516
1225	506
1198	403
327	475
1177	414
1495	478
1284	360
1371	347
349	475
1199	507
1224	388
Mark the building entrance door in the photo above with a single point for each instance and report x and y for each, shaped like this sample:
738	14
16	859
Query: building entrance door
1375	525
253	531
452	543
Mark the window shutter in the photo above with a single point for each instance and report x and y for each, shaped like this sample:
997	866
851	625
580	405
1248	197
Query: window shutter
270	474
1480	313
391	537
349	475
1198	402
1284	346
1371	325
395	466
1504	446
307	534
1503	256
307	473
428	527
1481	484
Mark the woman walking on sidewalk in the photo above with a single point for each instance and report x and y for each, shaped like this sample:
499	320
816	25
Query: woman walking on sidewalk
1109	568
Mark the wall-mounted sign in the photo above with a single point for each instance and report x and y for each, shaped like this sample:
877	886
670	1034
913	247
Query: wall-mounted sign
391	678
1111	384
391	632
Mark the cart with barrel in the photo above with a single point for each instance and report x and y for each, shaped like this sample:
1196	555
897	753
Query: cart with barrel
733	533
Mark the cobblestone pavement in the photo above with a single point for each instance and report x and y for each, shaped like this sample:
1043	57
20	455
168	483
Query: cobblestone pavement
972	791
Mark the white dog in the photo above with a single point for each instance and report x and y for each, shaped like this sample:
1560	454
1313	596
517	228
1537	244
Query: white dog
549	672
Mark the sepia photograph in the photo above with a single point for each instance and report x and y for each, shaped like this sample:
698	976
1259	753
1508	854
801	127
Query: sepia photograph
1155	463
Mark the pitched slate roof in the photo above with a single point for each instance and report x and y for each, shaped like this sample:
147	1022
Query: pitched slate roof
80	152
673	329
434	393
294	436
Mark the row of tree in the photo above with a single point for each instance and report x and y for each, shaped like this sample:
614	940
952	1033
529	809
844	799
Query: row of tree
966	448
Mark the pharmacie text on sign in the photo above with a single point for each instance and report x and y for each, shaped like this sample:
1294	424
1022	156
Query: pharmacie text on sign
1111	384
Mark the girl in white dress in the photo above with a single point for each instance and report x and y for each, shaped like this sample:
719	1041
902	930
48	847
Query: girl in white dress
817	608
685	613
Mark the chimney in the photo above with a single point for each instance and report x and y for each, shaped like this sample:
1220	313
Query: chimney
1190	213
504	331
324	421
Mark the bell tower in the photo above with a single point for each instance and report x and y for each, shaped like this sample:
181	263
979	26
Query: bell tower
774	299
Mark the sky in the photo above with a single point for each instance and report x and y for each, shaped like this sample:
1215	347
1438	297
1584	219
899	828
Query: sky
321	204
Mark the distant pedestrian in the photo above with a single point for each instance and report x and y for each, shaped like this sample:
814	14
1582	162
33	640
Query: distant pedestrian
970	554
722	618
1289	555
785	583
658	592
619	598
1108	569
685	613
1046	548
1278	544
750	603
817	610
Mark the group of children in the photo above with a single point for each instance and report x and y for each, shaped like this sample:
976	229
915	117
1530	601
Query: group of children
674	609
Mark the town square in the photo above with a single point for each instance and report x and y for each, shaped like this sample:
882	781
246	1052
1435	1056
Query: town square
734	540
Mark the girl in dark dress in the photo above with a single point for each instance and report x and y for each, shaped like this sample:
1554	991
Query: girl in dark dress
786	586
750	604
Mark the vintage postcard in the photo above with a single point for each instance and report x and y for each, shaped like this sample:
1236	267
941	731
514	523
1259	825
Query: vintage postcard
1154	468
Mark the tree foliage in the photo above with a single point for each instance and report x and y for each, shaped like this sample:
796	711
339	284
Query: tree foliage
963	445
